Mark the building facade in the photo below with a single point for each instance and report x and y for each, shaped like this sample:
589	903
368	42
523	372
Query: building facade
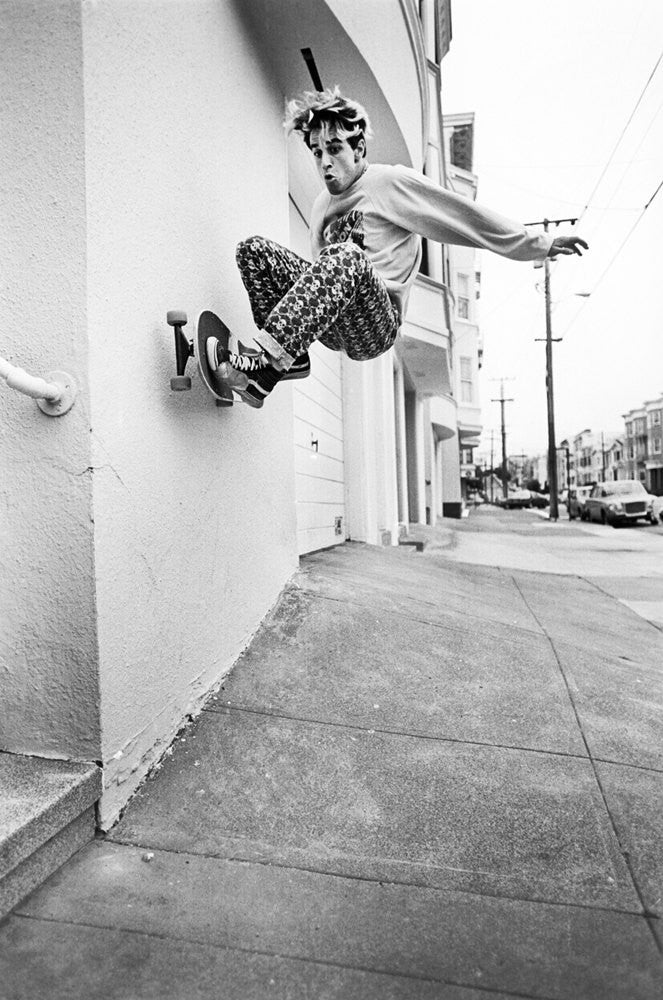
464	281
635	444
583	446
566	469
147	533
654	453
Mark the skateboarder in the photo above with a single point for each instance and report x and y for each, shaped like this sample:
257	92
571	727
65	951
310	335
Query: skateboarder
366	228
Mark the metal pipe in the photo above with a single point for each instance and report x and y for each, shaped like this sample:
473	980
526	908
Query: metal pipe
54	398
30	385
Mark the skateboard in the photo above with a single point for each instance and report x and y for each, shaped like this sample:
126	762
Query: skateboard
207	325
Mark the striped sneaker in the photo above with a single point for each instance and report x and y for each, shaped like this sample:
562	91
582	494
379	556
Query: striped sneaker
250	374
300	367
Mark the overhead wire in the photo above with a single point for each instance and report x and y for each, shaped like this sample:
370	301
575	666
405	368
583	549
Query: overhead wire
615	255
632	160
621	136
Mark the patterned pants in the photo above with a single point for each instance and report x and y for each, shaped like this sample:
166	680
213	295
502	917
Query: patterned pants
339	300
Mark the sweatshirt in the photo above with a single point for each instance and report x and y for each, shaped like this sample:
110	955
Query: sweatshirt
388	209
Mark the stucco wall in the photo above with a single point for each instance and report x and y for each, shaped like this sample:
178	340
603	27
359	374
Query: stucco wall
394	51
194	505
48	653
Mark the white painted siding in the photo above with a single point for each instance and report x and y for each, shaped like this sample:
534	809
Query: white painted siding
318	416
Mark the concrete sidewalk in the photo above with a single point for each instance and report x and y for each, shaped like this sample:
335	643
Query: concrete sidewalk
425	779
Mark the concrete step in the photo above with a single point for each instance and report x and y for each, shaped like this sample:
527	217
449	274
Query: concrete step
418	545
47	812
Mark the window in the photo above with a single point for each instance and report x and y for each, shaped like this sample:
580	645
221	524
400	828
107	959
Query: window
657	446
463	303
466	385
656	417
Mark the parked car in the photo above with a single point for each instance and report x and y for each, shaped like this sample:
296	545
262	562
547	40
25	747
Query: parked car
620	502
523	499
575	502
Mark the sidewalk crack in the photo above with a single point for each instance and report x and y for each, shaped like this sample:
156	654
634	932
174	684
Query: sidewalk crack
650	917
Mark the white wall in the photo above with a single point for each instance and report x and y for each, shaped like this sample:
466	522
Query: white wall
394	51
194	505
48	651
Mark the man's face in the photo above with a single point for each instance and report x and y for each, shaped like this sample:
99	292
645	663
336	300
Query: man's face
338	163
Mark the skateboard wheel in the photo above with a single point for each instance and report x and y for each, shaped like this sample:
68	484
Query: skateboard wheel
180	382
176	317
223	402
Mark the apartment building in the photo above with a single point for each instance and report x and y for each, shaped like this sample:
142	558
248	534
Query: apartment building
148	532
464	281
654	454
584	452
566	470
635	428
612	457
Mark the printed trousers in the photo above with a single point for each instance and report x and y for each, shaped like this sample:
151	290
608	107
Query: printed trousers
339	299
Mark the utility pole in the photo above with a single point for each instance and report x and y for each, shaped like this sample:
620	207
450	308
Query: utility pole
550	398
492	466
501	400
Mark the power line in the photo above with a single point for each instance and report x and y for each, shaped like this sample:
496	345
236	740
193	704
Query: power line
626	238
632	160
616	254
621	136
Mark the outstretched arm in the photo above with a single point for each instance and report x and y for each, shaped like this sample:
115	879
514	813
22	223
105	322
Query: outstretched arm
415	203
567	245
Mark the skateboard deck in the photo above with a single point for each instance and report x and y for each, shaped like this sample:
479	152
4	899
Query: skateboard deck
208	324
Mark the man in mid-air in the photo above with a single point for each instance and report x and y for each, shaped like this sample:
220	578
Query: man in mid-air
366	228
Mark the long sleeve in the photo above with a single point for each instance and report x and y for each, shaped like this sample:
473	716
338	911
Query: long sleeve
415	203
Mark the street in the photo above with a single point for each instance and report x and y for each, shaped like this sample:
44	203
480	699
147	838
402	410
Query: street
625	562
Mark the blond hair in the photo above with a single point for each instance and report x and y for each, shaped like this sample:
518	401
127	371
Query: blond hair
327	110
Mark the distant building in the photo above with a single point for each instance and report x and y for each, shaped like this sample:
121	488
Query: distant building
566	474
584	446
613	458
654	448
635	425
464	282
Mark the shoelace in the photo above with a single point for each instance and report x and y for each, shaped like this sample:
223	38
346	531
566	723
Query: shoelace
248	362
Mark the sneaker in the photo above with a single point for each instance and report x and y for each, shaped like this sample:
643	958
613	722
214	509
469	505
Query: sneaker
300	368
221	360
251	376
260	384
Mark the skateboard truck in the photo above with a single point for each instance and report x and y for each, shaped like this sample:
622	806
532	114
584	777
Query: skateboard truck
183	349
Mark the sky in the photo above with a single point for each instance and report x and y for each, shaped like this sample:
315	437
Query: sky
552	86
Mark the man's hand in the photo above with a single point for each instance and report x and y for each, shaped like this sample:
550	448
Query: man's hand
567	245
